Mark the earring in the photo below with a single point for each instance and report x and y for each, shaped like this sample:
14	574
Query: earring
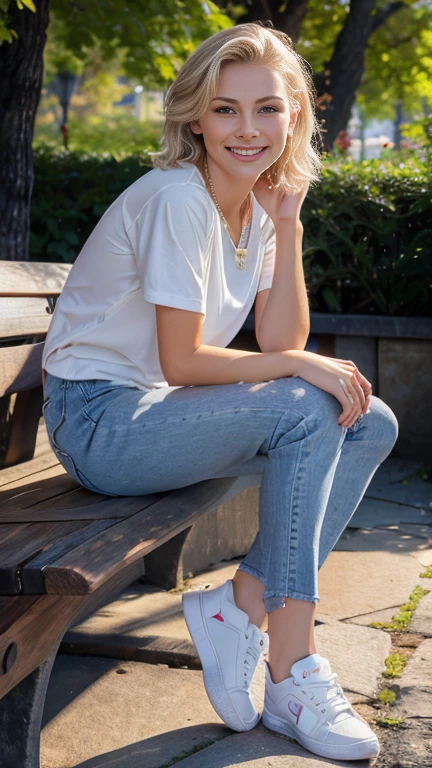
269	179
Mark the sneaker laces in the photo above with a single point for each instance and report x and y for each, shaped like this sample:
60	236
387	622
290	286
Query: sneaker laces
336	700
259	643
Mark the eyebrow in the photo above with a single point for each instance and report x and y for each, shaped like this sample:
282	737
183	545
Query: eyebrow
234	101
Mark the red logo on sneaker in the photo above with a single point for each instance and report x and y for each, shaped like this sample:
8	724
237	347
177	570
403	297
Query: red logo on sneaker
218	616
296	709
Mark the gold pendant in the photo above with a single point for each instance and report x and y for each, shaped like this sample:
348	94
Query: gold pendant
240	257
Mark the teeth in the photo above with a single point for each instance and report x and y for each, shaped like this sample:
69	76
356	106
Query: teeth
247	151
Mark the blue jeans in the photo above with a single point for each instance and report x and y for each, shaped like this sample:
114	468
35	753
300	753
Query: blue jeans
120	441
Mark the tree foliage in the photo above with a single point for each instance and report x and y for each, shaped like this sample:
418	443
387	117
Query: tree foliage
7	31
399	65
153	38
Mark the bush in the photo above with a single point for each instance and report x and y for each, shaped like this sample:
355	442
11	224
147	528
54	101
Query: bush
368	226
368	239
71	192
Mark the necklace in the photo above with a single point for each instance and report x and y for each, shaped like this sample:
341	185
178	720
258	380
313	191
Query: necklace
240	253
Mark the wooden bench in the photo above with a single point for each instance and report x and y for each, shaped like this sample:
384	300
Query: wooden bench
64	551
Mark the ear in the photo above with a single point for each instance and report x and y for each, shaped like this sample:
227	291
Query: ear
195	127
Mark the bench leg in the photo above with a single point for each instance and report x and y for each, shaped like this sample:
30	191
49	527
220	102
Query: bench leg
164	567
21	715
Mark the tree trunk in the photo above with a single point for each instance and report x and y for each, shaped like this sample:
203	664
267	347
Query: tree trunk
21	73
288	21
348	62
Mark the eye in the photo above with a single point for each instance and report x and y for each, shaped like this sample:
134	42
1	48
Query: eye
220	108
223	113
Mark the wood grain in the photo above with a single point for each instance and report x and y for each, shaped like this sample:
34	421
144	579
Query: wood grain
32	573
21	432
22	472
35	625
20	368
88	566
19	542
23	317
47	484
32	278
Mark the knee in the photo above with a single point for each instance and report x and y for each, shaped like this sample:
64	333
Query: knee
383	423
321	412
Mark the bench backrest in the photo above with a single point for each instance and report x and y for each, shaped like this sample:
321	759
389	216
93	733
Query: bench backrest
28	291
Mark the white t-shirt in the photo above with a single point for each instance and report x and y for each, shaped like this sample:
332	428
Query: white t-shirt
160	242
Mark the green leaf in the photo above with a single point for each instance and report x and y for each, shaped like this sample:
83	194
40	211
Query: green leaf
30	5
331	300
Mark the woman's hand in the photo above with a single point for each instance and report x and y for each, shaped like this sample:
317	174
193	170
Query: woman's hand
340	378
364	383
279	205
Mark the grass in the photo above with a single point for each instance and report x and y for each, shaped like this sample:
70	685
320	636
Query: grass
402	619
387	696
189	752
395	664
390	722
427	574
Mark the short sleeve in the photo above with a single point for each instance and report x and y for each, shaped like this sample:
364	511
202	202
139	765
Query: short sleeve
171	241
266	277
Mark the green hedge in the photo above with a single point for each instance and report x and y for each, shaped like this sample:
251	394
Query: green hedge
368	239
368	226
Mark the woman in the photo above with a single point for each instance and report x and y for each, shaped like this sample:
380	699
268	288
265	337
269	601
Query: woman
142	394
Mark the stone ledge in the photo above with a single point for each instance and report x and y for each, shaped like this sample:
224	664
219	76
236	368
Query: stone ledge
364	325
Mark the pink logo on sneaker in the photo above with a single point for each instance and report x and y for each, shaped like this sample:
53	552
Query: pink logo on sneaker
295	709
218	616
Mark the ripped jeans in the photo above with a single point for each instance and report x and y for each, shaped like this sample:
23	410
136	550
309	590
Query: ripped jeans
120	441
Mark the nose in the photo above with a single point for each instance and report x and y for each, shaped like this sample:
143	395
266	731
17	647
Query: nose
246	128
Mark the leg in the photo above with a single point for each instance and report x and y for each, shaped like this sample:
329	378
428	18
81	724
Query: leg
367	443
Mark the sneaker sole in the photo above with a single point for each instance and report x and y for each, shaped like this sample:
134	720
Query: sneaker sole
213	680
360	751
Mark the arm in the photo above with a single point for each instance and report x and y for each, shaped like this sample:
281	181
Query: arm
186	361
282	313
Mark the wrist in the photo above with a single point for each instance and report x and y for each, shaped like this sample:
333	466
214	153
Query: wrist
293	359
288	225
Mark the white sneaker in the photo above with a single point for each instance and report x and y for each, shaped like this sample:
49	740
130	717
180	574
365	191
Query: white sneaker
310	707
229	648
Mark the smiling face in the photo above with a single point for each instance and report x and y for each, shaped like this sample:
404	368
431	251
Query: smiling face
246	126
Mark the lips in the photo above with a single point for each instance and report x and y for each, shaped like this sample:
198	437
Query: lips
247	149
247	157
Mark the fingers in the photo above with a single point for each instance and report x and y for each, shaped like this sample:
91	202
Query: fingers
353	401
362	381
360	392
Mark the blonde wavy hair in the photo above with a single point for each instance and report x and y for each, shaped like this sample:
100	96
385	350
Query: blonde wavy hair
195	86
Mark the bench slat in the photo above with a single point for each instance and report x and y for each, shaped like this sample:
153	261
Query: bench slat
22	495
51	494
20	472
23	317
20	368
86	505
32	278
23	541
86	568
32	575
